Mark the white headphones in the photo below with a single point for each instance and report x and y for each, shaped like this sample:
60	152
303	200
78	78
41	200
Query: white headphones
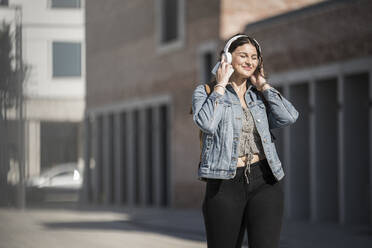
228	55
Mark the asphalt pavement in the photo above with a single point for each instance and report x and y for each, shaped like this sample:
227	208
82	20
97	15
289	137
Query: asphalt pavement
71	226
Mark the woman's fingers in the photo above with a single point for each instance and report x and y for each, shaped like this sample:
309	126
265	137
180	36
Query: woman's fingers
253	79
223	59
224	71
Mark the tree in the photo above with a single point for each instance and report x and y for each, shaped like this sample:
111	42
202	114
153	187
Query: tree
11	79
8	84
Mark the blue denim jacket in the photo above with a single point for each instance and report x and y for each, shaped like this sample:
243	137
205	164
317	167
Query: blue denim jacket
220	119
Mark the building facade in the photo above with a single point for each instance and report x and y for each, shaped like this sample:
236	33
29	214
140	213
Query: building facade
144	59
53	51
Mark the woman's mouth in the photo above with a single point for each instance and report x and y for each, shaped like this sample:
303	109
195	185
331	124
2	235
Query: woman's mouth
247	68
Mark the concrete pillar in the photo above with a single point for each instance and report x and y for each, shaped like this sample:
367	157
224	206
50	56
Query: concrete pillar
341	154
86	193
129	160
168	167
287	162
80	146
312	152
106	165
156	142
118	152
143	158
96	161
33	148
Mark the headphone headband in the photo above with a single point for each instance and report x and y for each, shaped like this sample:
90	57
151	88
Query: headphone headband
229	42
227	46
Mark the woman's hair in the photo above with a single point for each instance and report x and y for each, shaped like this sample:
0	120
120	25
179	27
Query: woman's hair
239	42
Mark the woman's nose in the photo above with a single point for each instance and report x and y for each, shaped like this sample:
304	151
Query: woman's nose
248	61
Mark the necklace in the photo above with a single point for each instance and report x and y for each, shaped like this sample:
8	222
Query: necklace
237	89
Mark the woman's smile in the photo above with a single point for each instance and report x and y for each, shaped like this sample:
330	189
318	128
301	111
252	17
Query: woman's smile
247	68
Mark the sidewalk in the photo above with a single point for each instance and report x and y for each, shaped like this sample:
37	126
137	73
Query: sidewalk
147	227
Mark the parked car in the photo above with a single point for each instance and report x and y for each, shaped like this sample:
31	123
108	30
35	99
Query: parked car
63	176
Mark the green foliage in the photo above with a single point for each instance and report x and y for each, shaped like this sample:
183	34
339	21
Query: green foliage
8	79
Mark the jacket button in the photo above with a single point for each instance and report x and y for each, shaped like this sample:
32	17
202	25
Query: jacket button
235	138
258	120
270	160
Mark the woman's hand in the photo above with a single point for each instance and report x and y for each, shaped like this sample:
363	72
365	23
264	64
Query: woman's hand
258	80
224	72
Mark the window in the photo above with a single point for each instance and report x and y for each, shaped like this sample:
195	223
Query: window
65	4
170	24
207	66
170	20
4	2
206	60
66	59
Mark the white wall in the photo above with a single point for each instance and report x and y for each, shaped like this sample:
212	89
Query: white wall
41	26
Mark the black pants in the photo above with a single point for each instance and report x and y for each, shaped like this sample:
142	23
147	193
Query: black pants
232	206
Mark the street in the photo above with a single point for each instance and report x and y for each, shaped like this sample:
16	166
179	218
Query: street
40	227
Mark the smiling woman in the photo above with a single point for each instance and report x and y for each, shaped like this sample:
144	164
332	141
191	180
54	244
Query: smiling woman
239	161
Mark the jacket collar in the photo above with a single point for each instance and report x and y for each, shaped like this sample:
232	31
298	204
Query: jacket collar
250	87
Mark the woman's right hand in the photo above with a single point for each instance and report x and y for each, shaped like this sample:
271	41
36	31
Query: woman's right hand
224	72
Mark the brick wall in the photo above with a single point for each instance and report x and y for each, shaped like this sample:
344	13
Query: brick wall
237	13
123	64
330	32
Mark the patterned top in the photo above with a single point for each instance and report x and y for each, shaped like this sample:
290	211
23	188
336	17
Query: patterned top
250	141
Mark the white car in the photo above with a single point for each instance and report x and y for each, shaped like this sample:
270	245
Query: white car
65	176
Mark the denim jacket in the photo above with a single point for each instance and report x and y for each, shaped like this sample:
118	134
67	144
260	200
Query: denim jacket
220	119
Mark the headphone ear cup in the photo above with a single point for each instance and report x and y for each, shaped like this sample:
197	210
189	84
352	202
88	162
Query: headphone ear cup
228	57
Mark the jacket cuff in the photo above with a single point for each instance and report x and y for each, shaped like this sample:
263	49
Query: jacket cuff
214	96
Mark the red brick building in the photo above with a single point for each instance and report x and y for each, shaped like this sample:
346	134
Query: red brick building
321	58
144	59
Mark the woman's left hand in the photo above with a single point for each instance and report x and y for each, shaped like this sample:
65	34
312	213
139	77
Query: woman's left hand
258	79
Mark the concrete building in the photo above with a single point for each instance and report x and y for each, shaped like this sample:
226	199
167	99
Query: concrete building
321	58
144	59
53	49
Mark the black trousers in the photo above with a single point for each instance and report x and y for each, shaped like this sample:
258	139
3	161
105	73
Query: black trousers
232	206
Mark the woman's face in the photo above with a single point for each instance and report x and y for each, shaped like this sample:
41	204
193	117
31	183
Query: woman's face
245	60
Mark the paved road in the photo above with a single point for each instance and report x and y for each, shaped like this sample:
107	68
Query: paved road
147	227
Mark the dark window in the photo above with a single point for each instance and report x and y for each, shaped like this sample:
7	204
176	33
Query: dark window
58	143
65	4
66	59
207	66
4	2
169	20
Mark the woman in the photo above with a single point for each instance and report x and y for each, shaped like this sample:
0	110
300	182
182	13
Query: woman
239	161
